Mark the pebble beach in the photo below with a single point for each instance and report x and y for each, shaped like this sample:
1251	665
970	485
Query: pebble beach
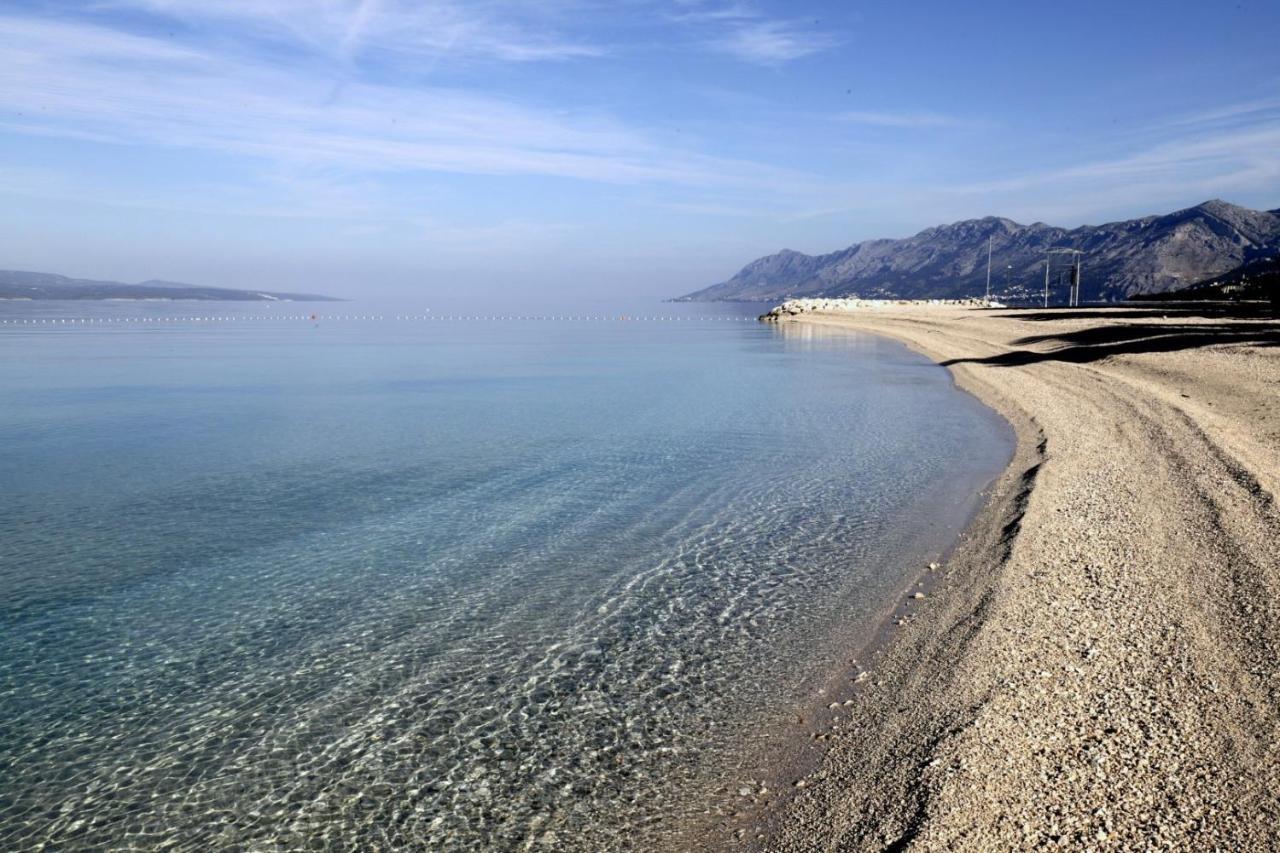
1098	664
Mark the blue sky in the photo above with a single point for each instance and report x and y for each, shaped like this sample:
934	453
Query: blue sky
599	150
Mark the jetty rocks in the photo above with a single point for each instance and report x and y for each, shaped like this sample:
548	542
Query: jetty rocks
792	307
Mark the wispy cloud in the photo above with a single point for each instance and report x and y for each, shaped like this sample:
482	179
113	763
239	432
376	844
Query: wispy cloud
1229	147
412	30
747	34
1229	151
772	42
906	120
83	81
701	12
1228	115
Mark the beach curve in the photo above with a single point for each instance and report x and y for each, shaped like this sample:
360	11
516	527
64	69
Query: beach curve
1098	665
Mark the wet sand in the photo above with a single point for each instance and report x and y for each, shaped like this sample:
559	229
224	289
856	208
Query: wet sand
1097	664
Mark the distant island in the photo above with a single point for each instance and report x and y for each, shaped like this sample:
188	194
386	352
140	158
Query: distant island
1136	257
17	284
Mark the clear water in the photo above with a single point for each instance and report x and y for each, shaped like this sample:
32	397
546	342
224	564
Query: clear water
500	584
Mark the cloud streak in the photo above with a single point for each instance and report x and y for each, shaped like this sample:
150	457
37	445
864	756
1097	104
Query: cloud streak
1199	149
82	81
744	33
905	120
772	42
1227	151
406	31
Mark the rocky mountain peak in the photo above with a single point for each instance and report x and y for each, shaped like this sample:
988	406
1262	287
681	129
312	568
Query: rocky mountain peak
1146	255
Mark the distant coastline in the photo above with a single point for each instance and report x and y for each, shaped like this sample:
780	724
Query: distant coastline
24	286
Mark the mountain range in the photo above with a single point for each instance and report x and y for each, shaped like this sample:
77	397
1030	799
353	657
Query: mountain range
1120	260
17	284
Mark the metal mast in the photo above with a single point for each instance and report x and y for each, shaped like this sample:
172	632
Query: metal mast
1046	279
1073	292
989	270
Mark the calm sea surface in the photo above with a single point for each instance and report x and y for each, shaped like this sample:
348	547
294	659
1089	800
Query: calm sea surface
455	584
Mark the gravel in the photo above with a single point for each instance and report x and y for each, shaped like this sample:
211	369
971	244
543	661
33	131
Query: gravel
1099	668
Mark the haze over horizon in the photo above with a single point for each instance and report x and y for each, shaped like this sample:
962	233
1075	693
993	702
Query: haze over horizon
612	151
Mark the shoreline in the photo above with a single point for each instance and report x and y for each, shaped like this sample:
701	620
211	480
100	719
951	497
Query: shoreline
1082	675
791	752
793	744
789	741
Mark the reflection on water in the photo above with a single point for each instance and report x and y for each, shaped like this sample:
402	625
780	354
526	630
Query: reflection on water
459	587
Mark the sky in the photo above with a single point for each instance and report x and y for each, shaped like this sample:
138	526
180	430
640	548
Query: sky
578	151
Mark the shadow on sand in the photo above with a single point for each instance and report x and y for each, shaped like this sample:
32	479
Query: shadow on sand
1229	326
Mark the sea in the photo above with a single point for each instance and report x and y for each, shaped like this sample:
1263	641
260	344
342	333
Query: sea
332	576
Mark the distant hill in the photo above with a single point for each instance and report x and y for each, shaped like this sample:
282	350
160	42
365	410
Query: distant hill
15	284
1122	259
1255	280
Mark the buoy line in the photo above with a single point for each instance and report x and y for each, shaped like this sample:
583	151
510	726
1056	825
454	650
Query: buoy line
329	318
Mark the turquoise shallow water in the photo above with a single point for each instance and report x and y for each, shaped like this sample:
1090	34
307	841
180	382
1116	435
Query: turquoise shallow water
499	584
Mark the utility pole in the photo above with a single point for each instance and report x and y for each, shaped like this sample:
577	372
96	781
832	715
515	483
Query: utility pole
1073	281
1046	279
988	270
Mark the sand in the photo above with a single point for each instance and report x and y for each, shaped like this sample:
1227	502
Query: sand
1098	663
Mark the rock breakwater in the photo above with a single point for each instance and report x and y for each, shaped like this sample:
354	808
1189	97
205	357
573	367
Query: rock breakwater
793	307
